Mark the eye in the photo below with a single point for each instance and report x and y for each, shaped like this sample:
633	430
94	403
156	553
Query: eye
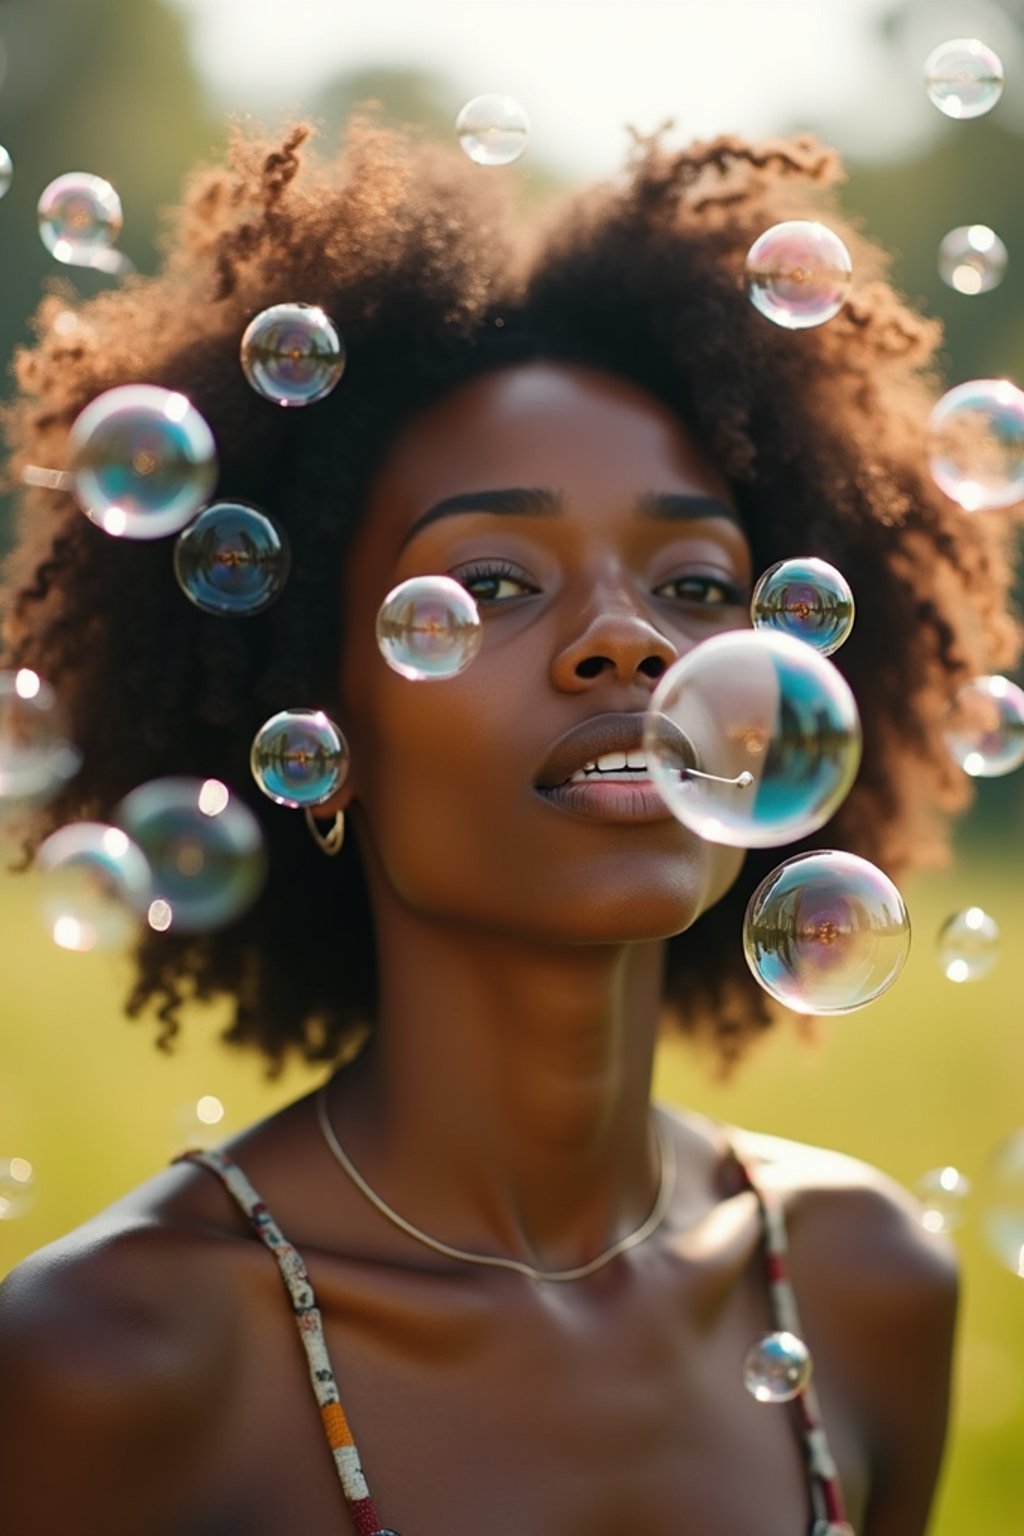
712	591
493	581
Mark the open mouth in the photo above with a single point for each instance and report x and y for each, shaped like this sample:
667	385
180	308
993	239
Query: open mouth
613	768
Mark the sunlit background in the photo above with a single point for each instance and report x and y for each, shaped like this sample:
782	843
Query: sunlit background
135	90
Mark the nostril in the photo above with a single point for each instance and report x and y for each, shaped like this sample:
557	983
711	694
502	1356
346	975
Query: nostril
653	666
592	666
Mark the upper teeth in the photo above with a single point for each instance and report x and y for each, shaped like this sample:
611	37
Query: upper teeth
612	762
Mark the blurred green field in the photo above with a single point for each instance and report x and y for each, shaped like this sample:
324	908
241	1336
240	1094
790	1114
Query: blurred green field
931	1074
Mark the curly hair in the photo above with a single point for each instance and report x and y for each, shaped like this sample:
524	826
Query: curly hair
433	275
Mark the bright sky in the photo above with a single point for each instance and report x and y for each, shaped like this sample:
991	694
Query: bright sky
584	68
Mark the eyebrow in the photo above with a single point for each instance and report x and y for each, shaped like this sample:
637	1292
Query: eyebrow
522	501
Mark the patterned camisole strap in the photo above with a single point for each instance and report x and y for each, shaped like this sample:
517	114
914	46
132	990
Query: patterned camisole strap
828	1510
310	1326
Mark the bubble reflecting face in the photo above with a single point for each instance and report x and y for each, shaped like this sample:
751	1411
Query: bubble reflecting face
985	727
798	274
232	559
976	444
972	259
1001	1198
37	757
17	1187
96	886
80	219
777	1368
142	460
204	849
752	739
493	130
826	932
299	758
963	77
6	171
968	945
292	354
428	628
943	1193
808	599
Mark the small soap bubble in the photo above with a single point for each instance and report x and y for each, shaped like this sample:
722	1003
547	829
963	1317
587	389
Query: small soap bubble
798	274
96	886
292	355
198	1124
806	598
299	758
17	1187
6	171
1001	1200
976	444
972	259
37	757
143	461
752	739
80	219
985	727
777	1368
493	130
826	932
968	945
204	848
943	1193
232	559
963	78
428	628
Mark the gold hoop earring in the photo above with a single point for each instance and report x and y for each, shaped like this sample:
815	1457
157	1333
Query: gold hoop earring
328	842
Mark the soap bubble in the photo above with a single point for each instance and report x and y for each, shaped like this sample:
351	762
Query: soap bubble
963	77
6	171
143	461
752	739
198	1124
972	259
826	932
1001	1198
943	1193
17	1187
806	598
493	130
37	757
428	628
968	945
233	559
798	274
292	354
985	727
80	219
777	1368
299	758
96	886
976	444
204	847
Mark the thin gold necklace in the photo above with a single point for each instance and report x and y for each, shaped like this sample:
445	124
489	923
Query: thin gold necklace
666	1188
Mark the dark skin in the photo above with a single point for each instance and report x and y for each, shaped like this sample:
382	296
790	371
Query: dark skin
502	1105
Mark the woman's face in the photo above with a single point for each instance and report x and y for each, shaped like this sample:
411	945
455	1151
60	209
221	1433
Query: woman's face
600	545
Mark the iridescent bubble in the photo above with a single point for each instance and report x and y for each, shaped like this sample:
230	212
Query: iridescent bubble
806	598
752	739
80	219
968	945
1001	1199
292	354
493	130
777	1368
204	848
428	628
826	932
233	559
972	259
976	444
963	78
798	274
943	1193
6	171
37	757
96	886
985	727
299	758
199	1124
143	461
17	1187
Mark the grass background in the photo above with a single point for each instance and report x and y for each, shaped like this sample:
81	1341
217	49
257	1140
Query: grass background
930	1074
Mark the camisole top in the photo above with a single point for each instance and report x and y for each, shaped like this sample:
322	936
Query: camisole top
828	1516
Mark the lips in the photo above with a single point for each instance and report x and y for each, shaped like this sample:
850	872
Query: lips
618	739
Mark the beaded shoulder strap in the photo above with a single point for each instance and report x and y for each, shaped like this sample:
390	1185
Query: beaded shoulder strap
311	1332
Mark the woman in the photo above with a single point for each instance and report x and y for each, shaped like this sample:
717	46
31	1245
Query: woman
536	1290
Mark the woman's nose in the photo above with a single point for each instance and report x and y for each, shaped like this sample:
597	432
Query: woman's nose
618	643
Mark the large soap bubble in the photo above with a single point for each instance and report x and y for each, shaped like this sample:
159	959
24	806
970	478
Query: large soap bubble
798	274
428	628
806	598
752	739
233	559
826	932
292	355
976	444
37	757
985	728
963	77
299	757
80	219
96	886
493	130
